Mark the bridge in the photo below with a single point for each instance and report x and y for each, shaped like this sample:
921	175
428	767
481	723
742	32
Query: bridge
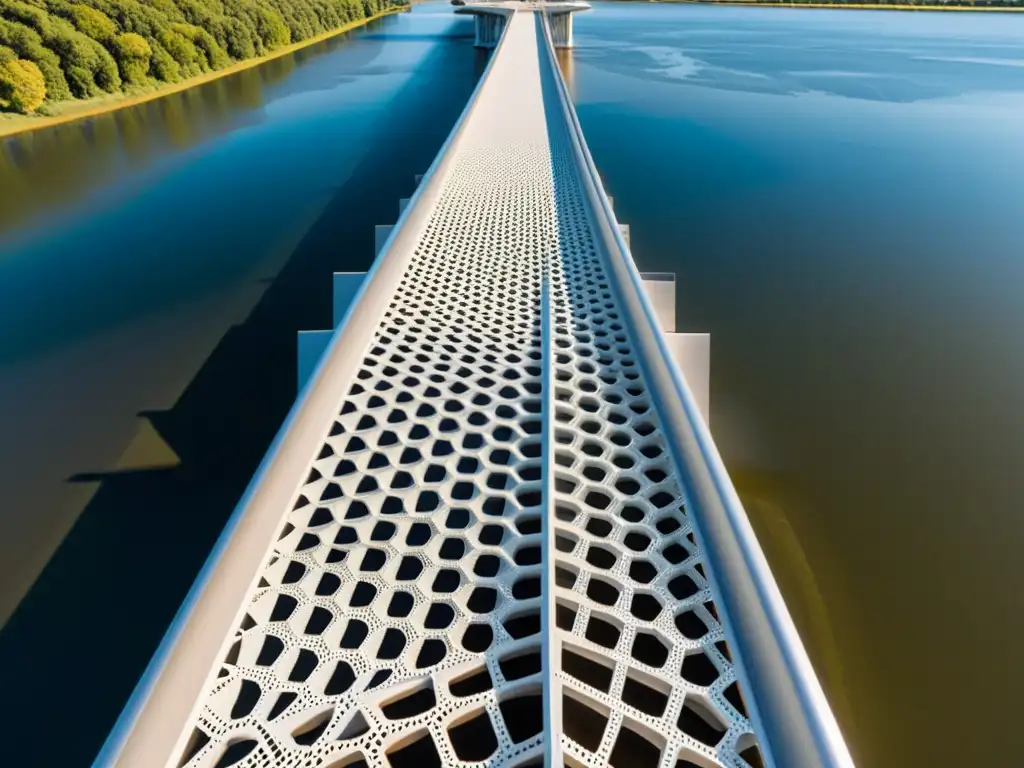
494	529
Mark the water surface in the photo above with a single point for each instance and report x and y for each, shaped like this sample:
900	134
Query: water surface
840	194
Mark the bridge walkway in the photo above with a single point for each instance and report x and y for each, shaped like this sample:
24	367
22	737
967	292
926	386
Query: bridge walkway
472	539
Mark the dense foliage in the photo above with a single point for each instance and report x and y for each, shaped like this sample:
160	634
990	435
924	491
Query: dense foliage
22	86
51	50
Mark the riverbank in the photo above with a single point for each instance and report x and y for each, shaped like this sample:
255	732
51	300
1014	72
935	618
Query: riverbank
850	6
78	109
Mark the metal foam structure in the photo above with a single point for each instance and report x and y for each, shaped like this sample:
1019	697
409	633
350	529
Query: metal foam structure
494	529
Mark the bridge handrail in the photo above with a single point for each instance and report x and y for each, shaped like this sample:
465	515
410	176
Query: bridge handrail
298	435
786	703
787	706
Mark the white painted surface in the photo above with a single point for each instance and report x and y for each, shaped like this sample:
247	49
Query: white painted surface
692	353
661	288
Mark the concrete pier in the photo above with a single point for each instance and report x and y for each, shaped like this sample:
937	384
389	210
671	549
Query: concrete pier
491	18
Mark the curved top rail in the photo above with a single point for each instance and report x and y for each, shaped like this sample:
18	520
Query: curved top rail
788	707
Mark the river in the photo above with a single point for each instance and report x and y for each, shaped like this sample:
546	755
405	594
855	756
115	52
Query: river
838	192
841	196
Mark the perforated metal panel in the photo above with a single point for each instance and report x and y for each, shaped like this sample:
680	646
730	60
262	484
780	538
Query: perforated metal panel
645	669
398	618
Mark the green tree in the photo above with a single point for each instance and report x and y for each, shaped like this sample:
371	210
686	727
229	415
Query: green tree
22	85
132	16
236	38
133	54
272	30
29	45
81	48
92	23
162	65
88	66
182	51
212	55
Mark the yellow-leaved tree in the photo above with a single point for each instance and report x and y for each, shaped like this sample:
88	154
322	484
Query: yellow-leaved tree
22	86
93	23
132	53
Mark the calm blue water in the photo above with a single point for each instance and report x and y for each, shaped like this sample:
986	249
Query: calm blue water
157	208
161	225
838	192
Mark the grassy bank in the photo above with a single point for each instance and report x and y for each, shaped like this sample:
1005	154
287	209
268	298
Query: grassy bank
855	6
77	109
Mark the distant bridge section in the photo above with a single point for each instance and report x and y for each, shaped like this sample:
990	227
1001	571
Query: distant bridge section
494	528
491	18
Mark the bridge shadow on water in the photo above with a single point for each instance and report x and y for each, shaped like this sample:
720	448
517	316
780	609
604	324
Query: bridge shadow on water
77	644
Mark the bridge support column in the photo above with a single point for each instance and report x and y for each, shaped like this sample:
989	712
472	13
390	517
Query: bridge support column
561	29
312	344
346	286
489	27
691	351
381	233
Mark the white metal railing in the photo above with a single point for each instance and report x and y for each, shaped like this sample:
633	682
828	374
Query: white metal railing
787	706
171	684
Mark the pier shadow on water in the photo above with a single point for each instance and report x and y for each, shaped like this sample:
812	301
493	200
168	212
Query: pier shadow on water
74	649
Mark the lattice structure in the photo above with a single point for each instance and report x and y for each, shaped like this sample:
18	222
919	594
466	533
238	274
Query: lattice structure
646	673
397	621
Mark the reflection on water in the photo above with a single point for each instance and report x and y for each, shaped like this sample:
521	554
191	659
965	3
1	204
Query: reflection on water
55	166
566	63
773	56
44	170
840	195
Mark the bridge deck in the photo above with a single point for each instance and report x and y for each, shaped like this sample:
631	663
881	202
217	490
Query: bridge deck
473	533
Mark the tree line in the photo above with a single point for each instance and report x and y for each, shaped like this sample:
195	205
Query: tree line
55	50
